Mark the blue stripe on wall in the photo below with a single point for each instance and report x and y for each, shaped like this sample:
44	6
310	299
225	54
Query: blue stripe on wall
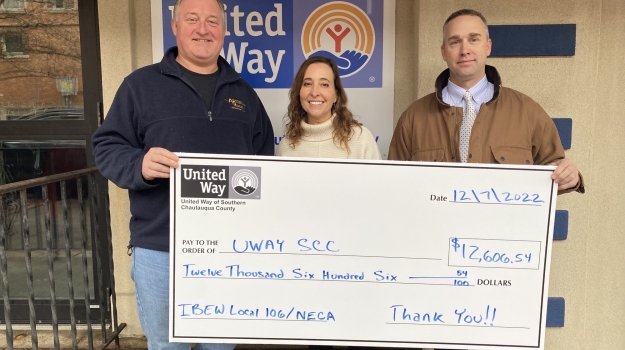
565	129
555	312
533	40
561	225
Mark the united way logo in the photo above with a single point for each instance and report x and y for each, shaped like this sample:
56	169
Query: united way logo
340	31
245	182
215	181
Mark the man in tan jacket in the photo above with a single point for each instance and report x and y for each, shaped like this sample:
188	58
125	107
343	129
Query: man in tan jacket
472	118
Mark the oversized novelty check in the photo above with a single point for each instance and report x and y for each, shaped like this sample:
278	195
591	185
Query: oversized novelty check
288	251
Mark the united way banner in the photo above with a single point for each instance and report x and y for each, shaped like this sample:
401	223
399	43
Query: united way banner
266	41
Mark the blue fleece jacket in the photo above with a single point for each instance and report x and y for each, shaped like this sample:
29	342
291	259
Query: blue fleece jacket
156	106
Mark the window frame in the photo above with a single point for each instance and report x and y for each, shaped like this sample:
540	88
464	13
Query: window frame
52	6
20	8
12	54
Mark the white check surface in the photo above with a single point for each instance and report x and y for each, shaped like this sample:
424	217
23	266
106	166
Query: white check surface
396	254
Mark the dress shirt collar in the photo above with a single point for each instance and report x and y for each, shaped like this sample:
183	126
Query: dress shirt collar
479	91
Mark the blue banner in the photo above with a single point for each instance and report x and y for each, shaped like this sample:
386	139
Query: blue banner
266	41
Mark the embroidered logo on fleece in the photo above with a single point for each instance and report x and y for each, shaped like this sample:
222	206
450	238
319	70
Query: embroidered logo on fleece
236	104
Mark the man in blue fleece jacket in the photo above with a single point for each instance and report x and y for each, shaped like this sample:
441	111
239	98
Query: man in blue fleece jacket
192	101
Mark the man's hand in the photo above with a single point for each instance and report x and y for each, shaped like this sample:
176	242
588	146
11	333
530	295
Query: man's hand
156	164
566	175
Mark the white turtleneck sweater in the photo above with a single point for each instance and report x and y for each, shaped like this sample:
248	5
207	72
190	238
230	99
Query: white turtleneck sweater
317	142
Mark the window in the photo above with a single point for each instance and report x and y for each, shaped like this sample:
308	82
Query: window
62	4
12	5
12	45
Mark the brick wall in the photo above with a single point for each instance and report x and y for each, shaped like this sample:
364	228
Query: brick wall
51	49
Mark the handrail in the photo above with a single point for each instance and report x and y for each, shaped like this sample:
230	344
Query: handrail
60	228
45	180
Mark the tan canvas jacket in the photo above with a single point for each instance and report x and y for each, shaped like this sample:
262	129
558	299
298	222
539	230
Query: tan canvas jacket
510	129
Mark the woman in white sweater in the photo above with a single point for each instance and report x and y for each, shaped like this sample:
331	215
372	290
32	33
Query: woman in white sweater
318	122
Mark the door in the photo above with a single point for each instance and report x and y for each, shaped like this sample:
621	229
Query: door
50	105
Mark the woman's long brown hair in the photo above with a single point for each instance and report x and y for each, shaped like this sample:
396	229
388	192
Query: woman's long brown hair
344	120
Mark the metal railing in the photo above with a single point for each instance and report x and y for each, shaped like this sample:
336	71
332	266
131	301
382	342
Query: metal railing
91	220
